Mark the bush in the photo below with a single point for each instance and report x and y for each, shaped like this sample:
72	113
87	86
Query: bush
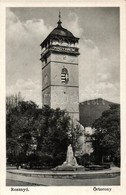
117	158
84	160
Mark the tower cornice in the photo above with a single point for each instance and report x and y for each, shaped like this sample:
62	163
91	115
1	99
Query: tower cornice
61	49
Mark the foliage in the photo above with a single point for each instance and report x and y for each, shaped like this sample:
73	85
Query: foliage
36	133
107	134
84	160
19	128
12	101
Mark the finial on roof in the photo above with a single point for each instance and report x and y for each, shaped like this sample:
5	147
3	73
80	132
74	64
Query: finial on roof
59	14
59	22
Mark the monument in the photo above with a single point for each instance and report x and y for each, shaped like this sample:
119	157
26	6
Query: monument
71	163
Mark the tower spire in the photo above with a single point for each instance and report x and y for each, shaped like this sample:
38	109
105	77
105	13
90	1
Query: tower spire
59	22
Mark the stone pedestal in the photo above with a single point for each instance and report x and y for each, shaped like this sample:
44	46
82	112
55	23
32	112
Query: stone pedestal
71	163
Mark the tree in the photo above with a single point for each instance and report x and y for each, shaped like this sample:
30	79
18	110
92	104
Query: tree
107	134
12	101
19	128
31	130
53	138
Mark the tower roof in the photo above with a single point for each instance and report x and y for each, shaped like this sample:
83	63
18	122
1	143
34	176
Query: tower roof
59	31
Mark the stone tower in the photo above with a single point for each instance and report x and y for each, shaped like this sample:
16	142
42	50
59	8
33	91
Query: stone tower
60	83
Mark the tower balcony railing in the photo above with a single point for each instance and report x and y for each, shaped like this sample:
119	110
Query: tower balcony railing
61	49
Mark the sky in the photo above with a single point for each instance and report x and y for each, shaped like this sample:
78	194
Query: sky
99	60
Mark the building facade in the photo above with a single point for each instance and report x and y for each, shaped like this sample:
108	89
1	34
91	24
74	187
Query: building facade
60	82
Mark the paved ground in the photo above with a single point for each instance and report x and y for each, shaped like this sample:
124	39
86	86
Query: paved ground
13	179
10	182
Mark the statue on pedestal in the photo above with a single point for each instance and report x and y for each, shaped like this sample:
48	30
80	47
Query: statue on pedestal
70	159
71	163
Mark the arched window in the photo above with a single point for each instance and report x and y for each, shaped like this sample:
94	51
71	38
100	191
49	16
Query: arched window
64	76
55	41
65	42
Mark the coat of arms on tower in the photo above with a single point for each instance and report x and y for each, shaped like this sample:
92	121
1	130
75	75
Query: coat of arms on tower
64	76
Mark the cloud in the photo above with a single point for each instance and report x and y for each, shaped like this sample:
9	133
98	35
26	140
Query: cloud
23	39
73	24
23	54
29	89
98	75
11	18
